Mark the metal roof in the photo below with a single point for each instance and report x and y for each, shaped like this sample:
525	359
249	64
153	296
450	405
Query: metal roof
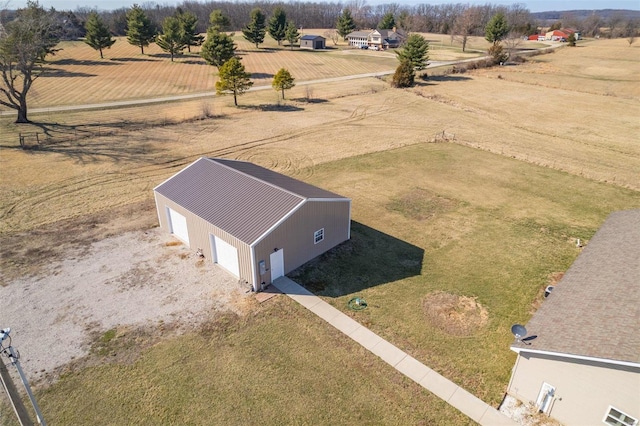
311	37
594	311
241	198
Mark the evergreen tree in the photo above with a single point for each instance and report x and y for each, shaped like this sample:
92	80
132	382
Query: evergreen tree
497	28
219	21
405	75
188	23
416	51
345	24
572	39
283	81
388	22
98	35
218	48
255	30
278	25
292	35
233	79
172	38
140	31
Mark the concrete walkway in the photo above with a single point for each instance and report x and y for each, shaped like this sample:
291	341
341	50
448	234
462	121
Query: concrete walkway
453	394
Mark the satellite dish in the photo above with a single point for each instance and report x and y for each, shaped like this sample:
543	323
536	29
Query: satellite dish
519	331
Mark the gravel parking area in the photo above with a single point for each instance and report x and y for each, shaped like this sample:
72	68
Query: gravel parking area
135	279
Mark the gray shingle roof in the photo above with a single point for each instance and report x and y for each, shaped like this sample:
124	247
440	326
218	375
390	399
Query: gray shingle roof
594	311
240	198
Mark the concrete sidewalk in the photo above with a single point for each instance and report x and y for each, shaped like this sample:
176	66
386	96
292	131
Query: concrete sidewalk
453	394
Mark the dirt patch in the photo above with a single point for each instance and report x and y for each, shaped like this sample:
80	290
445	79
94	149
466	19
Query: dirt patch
456	315
421	204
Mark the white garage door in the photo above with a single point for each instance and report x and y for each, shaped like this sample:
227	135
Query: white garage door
226	256
178	225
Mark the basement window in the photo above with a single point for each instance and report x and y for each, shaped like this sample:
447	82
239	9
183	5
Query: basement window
616	417
318	236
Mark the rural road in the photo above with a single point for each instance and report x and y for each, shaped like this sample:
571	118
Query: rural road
189	96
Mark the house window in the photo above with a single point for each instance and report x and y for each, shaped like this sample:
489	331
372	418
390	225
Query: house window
616	417
318	236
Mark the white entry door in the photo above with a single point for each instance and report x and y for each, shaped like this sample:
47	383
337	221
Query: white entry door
277	264
178	225
225	255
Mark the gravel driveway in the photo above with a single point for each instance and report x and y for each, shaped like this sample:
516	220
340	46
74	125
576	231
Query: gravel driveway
136	279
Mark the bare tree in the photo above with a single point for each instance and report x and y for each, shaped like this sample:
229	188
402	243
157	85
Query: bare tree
332	35
512	41
465	25
24	44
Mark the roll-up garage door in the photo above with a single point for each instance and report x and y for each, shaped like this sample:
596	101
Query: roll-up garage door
226	256
178	224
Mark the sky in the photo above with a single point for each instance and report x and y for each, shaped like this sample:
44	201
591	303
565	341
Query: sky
532	5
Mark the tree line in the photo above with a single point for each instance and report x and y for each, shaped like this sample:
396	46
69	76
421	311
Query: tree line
439	18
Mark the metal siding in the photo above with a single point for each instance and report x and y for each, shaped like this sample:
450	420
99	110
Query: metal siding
295	235
199	231
587	389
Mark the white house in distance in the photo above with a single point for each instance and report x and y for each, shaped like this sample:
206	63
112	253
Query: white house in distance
379	39
255	223
584	366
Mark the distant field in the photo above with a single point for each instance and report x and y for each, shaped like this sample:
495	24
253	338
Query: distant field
490	175
79	76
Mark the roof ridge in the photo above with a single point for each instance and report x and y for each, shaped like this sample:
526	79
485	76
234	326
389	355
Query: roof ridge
217	161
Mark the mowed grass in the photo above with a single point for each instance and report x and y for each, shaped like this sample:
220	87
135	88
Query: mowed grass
424	221
440	217
461	217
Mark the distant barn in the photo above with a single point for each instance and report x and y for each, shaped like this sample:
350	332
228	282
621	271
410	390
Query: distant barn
313	42
255	223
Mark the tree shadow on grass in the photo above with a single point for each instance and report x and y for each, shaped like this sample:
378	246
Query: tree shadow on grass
84	143
310	100
89	63
55	72
370	258
133	59
257	75
272	107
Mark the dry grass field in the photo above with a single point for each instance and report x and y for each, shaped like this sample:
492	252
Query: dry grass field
535	154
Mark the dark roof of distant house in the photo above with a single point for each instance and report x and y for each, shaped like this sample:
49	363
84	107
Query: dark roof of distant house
241	198
311	37
594	311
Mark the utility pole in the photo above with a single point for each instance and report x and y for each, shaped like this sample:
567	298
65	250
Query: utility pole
14	396
9	387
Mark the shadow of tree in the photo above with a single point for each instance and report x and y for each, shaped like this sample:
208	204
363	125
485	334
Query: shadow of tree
443	78
54	72
89	63
257	75
272	107
133	59
370	258
310	100
85	143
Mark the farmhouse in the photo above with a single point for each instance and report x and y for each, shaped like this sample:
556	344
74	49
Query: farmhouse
312	42
561	35
379	39
584	366
255	223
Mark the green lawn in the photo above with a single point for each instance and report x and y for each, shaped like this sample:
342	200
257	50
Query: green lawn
426	218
